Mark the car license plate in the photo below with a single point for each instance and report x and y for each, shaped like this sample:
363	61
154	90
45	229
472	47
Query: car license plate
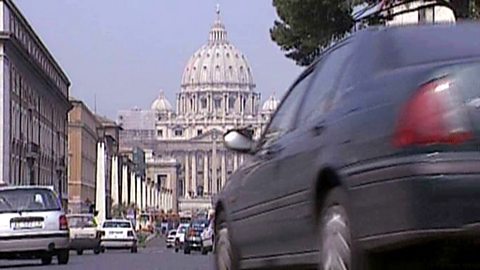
24	225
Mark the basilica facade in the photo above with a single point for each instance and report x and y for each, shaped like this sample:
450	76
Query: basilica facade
184	153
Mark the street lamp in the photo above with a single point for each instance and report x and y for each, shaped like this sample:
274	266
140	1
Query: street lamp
59	171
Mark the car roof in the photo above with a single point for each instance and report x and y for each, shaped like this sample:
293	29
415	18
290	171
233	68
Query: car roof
26	187
382	48
117	220
80	215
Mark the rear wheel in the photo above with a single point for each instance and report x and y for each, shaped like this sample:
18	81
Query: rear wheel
337	250
97	250
134	249
225	258
204	251
80	252
63	256
177	245
186	250
47	260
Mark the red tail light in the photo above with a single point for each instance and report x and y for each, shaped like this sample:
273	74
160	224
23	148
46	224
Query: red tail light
432	116
63	222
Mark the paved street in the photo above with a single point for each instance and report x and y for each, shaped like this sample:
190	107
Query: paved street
155	257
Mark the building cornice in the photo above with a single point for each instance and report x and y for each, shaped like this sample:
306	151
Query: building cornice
8	37
36	39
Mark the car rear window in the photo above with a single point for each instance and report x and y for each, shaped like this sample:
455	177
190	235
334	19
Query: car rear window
81	222
114	224
425	44
25	200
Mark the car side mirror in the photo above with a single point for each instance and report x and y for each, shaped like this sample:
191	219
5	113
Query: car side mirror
239	140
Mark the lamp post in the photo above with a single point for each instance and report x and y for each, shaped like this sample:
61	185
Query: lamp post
59	172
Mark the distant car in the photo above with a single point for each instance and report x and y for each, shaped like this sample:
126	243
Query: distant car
193	239
208	238
84	234
180	236
119	234
171	238
32	225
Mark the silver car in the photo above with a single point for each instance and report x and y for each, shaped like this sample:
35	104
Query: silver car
84	234
171	238
32	225
119	234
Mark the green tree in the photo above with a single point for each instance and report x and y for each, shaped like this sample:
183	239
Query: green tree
305	27
466	9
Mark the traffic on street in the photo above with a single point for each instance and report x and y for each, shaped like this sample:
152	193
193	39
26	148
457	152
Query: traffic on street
155	256
240	135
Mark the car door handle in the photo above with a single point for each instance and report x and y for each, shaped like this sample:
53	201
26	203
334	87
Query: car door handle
318	129
274	150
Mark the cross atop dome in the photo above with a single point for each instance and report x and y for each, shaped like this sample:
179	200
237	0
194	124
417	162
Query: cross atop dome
218	33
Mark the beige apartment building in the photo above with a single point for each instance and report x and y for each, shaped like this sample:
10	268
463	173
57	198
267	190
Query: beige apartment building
34	105
82	150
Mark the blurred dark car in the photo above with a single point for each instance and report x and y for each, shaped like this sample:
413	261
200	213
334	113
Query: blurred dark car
193	237
374	149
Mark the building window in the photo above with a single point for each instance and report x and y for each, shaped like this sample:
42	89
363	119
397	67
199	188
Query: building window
160	133
204	103
231	103
199	132
178	132
426	15
218	103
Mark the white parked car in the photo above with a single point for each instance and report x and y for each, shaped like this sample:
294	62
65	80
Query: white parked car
33	225
119	234
171	238
84	234
180	236
208	239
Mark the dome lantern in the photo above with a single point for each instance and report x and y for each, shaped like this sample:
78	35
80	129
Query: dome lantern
161	104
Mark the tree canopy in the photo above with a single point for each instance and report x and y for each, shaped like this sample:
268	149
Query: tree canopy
304	27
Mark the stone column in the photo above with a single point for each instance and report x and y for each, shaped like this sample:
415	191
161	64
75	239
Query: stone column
205	173
235	161
138	200
187	176
214	166
124	184
144	194
167	200
164	200
115	184
224	170
100	195
147	194
241	159
194	173
178	104
133	188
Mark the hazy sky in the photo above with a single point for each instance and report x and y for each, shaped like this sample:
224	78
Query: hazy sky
125	51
